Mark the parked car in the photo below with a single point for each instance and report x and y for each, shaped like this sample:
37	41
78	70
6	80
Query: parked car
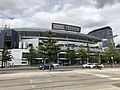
55	64
46	66
92	65
2	66
66	64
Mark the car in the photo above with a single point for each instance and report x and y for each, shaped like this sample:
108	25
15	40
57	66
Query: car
55	64
92	65
88	65
100	65
2	66
46	66
66	64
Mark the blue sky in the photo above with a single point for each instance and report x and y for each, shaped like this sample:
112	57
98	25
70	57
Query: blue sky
89	14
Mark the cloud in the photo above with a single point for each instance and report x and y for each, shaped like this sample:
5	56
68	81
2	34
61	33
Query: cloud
89	14
103	3
19	8
84	16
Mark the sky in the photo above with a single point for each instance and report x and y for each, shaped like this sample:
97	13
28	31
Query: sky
89	14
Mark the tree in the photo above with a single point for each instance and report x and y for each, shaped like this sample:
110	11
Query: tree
31	56
70	53
6	56
96	57
49	48
111	53
82	53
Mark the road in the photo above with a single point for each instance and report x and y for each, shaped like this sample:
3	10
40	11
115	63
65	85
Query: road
75	79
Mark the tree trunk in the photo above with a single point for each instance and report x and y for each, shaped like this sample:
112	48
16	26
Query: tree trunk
111	64
49	64
70	62
44	61
2	63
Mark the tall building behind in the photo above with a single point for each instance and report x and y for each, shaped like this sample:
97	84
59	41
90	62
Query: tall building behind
104	33
9	37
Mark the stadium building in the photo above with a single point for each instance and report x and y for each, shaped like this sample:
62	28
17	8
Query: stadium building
64	34
105	34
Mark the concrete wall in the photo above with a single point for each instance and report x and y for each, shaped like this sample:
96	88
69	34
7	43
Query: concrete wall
17	57
33	41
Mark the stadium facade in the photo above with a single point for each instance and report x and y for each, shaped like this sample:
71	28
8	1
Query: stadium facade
104	33
64	34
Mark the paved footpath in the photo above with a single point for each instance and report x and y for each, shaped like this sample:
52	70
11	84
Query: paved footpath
77	79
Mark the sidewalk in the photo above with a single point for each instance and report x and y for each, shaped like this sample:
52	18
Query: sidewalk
18	68
59	68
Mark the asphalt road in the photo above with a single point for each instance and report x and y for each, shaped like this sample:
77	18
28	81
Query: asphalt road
74	79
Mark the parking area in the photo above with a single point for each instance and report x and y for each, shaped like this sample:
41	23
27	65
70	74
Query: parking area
75	79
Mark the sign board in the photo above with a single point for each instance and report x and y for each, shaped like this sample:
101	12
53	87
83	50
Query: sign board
58	26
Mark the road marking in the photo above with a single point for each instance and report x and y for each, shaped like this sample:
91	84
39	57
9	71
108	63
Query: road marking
114	78
30	81
104	76
101	75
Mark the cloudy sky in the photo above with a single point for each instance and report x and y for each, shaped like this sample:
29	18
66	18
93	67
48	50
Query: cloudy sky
89	14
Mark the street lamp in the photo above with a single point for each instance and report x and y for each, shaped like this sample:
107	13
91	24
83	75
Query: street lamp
112	63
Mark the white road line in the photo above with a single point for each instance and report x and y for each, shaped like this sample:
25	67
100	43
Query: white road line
30	81
114	78
101	75
104	76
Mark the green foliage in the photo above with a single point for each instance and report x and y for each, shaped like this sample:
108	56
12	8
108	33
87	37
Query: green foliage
49	48
98	66
111	51
96	57
6	55
70	53
31	55
82	53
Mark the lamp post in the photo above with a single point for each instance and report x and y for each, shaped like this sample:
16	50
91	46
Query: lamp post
112	62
